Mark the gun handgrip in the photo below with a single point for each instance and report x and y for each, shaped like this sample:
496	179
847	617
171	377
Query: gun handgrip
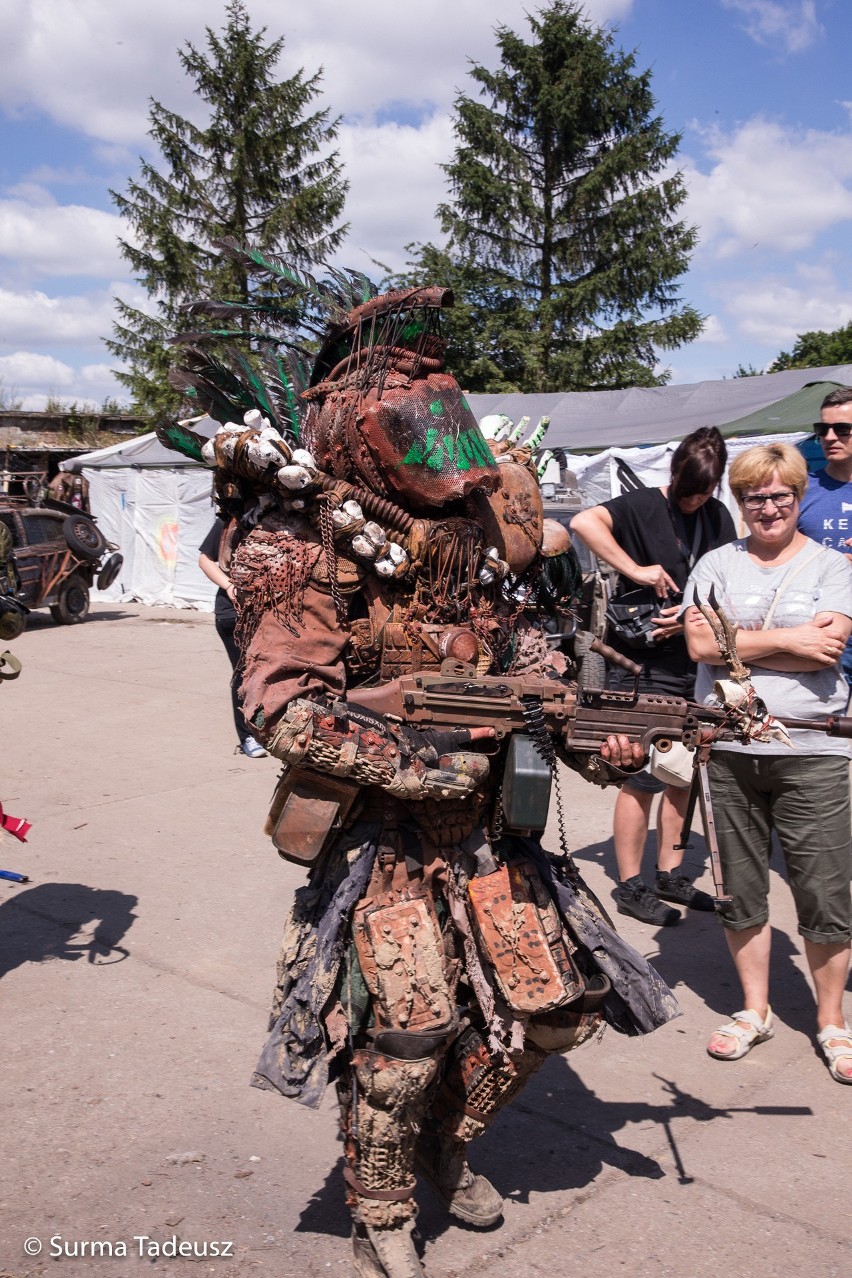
614	658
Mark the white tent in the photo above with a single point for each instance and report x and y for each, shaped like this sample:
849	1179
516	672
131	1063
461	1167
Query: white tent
156	507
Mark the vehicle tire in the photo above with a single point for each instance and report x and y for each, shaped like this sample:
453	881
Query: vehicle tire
109	571
73	602
591	667
84	538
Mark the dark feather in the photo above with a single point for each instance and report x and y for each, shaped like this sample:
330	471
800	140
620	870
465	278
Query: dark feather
181	440
289	409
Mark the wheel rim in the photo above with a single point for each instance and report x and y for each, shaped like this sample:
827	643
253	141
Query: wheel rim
75	601
86	534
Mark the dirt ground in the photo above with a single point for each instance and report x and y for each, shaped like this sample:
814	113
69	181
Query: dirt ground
136	967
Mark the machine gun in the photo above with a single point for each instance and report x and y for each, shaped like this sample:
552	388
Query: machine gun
578	718
550	713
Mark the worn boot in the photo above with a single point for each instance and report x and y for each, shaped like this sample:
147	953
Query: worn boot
385	1253
442	1162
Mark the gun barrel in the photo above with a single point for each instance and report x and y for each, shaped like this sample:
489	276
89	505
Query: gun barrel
518	429
834	725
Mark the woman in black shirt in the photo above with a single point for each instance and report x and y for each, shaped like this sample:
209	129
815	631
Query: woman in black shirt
653	537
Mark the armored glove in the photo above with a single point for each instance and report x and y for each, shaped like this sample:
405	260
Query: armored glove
347	742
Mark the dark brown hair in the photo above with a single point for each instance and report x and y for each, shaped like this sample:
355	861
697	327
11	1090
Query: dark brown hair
698	463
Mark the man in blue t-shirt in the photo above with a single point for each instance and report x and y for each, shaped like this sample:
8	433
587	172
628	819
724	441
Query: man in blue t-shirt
826	510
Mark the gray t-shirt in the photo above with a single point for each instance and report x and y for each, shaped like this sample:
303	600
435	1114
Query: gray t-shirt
745	590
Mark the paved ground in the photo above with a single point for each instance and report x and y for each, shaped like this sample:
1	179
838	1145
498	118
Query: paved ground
135	972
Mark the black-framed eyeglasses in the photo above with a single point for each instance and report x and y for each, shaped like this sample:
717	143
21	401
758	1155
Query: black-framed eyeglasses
780	500
841	429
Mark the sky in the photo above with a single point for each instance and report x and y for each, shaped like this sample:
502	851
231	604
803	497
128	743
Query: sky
759	89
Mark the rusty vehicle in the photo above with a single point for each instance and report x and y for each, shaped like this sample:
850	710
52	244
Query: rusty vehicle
58	553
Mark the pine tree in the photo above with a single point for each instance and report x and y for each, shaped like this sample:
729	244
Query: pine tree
563	214
260	169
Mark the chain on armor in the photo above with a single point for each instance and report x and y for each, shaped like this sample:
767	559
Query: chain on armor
543	744
326	526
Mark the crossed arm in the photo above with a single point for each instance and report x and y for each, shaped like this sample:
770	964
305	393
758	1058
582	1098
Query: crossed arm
814	645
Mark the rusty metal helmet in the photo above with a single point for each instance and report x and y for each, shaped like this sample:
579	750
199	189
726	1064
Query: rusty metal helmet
384	412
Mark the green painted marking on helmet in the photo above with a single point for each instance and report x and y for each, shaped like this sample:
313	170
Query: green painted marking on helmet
436	408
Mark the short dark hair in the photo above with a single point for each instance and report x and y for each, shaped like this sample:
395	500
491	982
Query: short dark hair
698	463
842	395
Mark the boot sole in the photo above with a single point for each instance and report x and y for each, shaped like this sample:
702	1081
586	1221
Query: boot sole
668	922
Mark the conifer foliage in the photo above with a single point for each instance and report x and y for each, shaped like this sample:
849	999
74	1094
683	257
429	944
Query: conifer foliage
260	168
562	219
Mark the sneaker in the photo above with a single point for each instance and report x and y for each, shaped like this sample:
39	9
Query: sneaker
252	749
671	886
633	898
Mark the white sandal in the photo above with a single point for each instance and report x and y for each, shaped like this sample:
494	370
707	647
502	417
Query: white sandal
834	1054
758	1031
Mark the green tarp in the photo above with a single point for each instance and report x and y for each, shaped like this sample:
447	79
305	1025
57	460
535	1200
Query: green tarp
797	412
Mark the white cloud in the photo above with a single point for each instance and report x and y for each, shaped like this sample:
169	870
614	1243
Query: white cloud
43	238
92	64
792	25
769	187
27	369
772	311
382	162
33	317
713	333
35	378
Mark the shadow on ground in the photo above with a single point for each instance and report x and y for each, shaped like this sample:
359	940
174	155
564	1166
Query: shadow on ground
40	923
557	1136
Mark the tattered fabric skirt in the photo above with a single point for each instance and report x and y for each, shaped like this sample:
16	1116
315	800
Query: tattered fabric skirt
309	1027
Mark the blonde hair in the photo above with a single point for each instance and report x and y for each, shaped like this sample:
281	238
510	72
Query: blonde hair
756	466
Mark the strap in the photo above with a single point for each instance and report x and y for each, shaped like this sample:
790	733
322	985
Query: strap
10	666
791	573
382	1195
679	524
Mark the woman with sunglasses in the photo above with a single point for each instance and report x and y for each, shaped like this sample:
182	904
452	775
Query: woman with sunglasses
792	602
826	513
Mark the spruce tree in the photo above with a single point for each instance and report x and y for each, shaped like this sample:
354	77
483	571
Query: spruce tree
562	215
259	168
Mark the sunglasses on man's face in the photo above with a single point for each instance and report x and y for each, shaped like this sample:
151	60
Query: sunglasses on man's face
841	429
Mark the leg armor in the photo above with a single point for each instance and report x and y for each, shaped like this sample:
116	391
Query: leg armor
382	1101
474	1087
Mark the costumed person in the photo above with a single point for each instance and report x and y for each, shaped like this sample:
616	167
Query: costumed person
438	953
654	537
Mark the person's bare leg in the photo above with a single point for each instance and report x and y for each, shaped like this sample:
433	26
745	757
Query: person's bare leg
630	830
829	966
670	815
750	952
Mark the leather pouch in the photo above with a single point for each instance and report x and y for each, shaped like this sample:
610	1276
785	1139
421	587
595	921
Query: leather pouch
307	810
399	949
521	937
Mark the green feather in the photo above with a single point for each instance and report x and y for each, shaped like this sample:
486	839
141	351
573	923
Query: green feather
181	440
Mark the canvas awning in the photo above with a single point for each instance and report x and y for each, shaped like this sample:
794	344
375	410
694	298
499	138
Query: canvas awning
585	421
